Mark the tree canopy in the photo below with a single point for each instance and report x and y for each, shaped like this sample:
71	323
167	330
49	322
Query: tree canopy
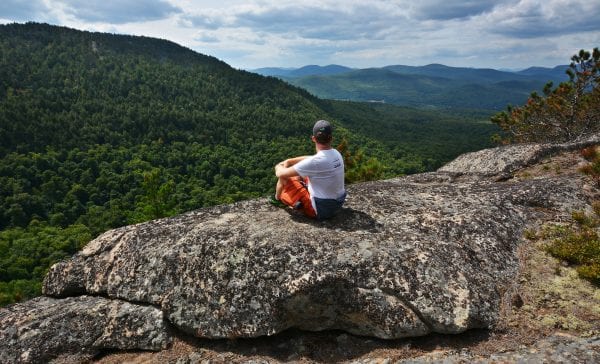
99	131
566	112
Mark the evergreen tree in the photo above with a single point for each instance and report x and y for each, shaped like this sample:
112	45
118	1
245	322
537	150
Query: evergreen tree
567	112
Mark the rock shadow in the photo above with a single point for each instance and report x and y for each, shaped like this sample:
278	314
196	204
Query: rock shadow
348	219
329	346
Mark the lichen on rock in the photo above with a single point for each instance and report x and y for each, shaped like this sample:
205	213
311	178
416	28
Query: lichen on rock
409	256
44	328
406	257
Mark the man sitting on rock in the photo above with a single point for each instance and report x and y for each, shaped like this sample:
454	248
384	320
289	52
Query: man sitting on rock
313	184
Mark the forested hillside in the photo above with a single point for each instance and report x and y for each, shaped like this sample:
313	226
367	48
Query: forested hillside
99	131
422	91
431	86
418	140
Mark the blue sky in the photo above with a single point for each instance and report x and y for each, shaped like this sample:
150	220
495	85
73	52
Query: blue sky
264	33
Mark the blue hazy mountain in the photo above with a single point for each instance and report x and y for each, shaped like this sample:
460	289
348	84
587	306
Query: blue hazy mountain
310	70
273	71
433	85
475	75
555	74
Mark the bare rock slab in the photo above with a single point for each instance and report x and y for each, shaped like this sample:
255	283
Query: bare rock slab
503	161
406	257
41	329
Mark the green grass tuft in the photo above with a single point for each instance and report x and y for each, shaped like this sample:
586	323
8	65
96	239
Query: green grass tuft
579	243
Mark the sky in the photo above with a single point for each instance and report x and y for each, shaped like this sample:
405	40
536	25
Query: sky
501	34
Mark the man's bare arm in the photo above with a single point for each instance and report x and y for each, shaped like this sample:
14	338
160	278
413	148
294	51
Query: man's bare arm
291	161
285	169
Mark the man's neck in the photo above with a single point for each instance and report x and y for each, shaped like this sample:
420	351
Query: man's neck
321	147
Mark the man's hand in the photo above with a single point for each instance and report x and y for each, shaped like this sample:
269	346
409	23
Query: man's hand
282	171
290	162
285	164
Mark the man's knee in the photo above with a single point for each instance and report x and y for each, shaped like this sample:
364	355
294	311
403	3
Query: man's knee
283	180
286	180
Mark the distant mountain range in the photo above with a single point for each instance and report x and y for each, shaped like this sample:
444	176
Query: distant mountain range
310	70
433	85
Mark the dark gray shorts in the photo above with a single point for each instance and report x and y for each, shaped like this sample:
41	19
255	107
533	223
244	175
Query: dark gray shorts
327	207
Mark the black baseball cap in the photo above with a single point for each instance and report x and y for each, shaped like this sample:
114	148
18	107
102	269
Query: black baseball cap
322	127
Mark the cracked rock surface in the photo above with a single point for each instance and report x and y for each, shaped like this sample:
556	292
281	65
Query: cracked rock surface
43	328
505	160
428	253
406	257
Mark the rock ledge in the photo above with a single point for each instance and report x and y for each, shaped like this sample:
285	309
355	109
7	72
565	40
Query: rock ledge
428	253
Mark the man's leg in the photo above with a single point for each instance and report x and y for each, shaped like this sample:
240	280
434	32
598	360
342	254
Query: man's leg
294	193
281	182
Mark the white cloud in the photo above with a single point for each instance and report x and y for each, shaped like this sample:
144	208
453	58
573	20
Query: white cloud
207	37
531	18
451	9
119	11
322	20
21	11
252	34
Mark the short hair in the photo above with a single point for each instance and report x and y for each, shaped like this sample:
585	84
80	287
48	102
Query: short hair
322	131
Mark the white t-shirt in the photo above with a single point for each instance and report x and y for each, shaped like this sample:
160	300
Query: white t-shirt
325	171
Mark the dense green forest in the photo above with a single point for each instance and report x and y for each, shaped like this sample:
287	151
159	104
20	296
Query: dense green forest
99	131
417	140
432	86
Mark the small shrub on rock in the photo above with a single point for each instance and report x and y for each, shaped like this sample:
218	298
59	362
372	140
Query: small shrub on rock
592	169
578	244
